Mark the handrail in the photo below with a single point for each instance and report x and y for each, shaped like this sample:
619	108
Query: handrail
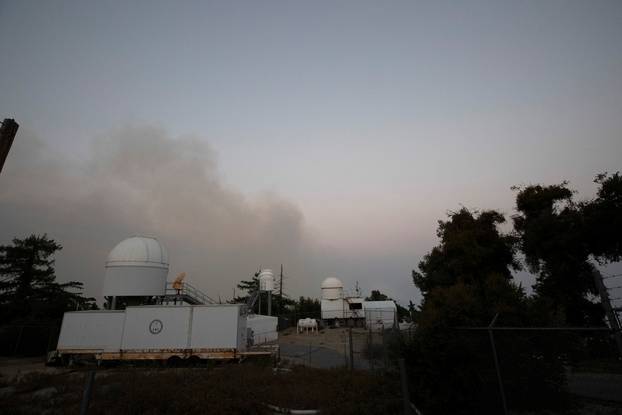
190	291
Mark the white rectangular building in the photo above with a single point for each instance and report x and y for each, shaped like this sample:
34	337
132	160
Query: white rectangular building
380	315
156	332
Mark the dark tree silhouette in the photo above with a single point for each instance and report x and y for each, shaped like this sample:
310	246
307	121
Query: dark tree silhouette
471	248
28	287
552	232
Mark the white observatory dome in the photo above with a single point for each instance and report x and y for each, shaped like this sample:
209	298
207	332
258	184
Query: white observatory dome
137	266
332	288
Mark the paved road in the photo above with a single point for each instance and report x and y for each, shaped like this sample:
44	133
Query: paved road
318	356
596	385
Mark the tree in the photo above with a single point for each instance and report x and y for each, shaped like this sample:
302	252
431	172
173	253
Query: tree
28	289
376	295
552	232
603	218
466	281
471	248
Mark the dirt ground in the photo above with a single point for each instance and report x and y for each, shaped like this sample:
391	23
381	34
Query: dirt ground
327	348
16	368
334	339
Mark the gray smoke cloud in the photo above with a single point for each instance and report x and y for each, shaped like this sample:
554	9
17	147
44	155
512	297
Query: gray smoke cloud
139	180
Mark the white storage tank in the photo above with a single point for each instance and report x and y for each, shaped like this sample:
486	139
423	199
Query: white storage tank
332	289
266	280
137	266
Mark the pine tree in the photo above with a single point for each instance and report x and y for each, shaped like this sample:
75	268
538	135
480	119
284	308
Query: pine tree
28	287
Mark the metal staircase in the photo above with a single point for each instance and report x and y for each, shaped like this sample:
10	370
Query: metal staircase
186	294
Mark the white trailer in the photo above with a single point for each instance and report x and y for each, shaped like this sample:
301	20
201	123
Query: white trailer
94	331
347	310
263	329
215	331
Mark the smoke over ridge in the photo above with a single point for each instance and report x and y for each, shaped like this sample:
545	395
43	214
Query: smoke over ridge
139	180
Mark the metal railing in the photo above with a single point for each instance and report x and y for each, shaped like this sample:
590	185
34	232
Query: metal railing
188	293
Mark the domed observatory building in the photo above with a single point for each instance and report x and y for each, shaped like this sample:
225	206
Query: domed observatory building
136	272
338	307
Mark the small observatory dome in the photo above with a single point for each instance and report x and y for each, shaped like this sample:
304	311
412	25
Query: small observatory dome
137	266
332	288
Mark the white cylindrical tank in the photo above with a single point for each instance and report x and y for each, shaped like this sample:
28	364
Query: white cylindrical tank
266	280
332	289
137	266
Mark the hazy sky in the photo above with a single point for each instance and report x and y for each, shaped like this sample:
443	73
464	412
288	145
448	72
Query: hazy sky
330	136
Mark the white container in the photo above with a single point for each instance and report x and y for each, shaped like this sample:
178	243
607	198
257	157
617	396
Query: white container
380	315
91	330
221	326
156	328
264	328
148	330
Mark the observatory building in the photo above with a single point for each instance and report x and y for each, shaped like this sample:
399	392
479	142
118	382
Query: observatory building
339	308
147	317
136	269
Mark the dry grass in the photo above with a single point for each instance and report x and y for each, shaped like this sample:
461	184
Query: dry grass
231	389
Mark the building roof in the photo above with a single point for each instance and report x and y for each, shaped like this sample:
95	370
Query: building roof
332	282
379	305
138	250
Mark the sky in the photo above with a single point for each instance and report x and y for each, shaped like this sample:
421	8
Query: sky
327	136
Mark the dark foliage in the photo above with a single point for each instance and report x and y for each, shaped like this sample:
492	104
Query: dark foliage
28	288
467	281
558	236
603	218
471	248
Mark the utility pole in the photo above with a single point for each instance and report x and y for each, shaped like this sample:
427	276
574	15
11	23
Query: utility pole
281	291
612	317
8	129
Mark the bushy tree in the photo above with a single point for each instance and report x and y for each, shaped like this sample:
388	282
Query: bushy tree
28	289
603	219
467	281
471	248
552	231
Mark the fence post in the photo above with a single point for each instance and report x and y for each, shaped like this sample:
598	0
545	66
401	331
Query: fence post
370	349
345	350
404	382
19	340
351	348
88	389
498	370
385	357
